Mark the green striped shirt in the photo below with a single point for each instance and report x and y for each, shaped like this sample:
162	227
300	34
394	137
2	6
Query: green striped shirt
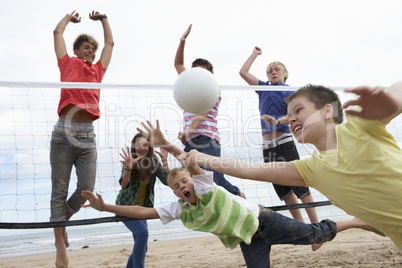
218	213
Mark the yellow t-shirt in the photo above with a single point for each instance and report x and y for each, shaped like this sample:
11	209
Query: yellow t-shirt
363	176
142	191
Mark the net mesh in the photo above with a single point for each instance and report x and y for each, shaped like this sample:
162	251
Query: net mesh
28	115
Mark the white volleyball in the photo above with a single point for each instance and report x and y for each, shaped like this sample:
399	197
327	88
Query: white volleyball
196	90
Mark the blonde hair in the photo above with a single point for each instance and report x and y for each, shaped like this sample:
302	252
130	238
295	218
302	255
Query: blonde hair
174	172
285	71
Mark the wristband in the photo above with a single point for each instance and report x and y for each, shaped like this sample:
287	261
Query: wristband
102	17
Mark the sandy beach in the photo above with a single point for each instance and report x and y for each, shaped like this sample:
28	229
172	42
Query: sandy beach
351	248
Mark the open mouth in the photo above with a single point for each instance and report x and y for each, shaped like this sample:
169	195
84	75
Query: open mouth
296	129
187	194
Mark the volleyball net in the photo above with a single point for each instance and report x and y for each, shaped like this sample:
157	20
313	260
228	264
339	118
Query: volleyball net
28	113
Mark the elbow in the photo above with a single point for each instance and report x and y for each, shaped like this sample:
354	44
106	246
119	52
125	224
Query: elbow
57	32
110	43
242	73
177	64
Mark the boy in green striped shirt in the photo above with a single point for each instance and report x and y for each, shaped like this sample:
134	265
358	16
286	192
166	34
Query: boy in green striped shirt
204	206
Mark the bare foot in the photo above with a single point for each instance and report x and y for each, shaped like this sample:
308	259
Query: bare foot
365	226
61	256
314	247
370	228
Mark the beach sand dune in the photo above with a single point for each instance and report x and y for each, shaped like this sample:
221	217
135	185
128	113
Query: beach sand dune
352	248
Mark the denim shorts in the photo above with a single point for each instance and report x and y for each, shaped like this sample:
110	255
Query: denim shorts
285	152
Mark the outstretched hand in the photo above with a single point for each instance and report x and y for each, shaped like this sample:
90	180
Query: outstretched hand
375	103
269	119
162	153
128	160
95	202
95	15
154	135
186	33
75	17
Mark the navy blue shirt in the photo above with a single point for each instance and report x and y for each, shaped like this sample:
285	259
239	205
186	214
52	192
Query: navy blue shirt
273	103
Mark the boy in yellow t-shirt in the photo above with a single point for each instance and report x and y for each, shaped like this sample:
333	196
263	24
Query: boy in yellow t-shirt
204	206
358	163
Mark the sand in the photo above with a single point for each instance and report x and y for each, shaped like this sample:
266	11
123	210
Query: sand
351	248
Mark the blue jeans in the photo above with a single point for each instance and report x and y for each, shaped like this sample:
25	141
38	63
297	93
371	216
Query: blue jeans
275	228
285	152
139	228
212	147
65	152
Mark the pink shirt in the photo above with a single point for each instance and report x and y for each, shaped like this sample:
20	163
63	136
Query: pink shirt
73	69
208	127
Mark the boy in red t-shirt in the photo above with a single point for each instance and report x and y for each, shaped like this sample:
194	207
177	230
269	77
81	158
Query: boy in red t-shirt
73	139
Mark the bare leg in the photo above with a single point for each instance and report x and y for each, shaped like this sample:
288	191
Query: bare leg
311	212
356	223
61	243
296	214
65	237
61	253
68	216
312	215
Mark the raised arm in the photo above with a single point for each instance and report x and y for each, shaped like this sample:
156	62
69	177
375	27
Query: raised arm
137	212
164	155
245	69
157	139
59	42
107	50
179	58
377	103
284	173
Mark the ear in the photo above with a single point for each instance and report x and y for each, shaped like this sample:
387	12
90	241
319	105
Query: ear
75	52
329	111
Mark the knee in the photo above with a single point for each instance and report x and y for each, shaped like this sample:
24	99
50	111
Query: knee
141	235
87	184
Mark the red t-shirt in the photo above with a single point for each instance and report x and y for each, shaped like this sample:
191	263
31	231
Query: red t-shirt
76	70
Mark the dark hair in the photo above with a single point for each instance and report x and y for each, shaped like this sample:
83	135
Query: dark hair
147	163
320	96
203	63
85	38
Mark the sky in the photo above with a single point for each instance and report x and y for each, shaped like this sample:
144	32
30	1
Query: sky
335	43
